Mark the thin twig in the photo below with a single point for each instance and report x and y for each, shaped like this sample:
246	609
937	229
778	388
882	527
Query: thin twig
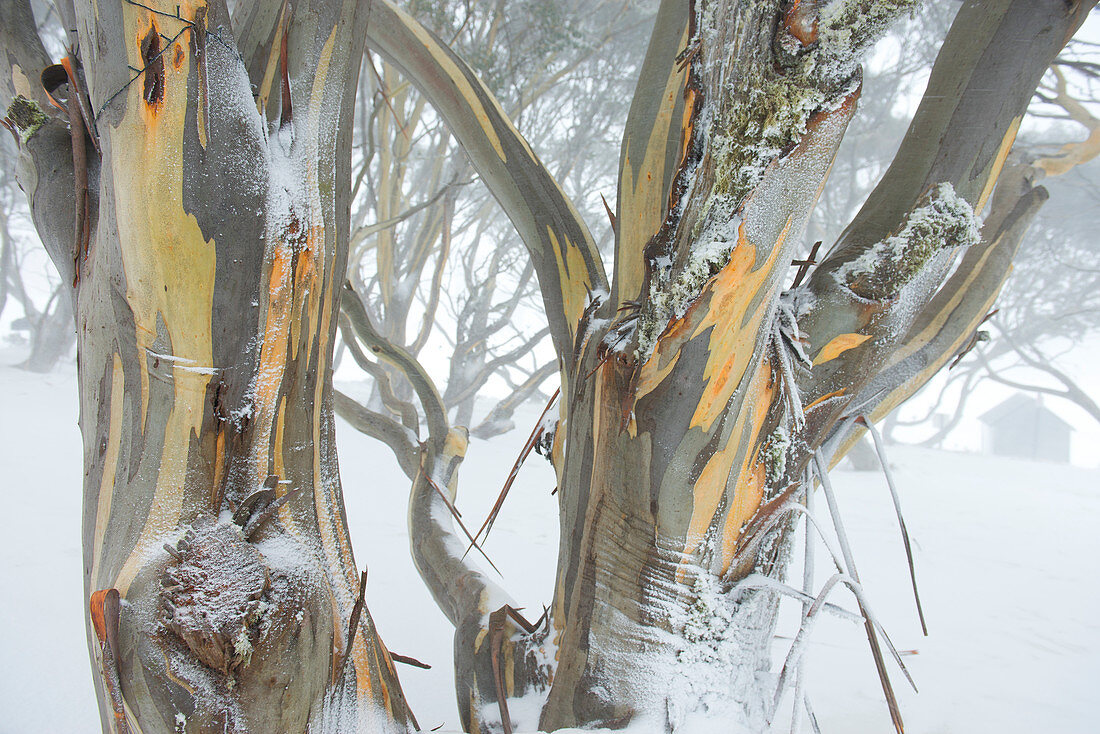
810	713
409	661
849	561
804	265
610	216
807	588
523	454
880	449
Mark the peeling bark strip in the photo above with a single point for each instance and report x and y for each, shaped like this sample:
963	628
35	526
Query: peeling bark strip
104	612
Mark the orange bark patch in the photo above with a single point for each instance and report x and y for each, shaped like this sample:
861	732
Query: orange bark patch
823	398
687	125
752	475
733	329
801	21
839	345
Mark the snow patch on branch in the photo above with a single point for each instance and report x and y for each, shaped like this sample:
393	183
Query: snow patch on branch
848	28
944	221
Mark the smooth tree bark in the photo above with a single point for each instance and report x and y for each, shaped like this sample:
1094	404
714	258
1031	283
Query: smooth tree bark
202	216
206	276
695	388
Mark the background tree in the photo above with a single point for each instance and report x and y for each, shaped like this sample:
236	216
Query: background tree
427	244
26	282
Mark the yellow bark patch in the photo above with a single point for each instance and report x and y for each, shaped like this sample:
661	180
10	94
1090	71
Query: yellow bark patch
653	373
456	444
575	289
168	266
643	203
838	345
998	163
823	398
746	501
732	293
267	84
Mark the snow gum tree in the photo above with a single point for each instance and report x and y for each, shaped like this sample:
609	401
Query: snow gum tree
193	185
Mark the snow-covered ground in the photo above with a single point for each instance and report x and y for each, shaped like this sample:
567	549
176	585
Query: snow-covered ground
1007	552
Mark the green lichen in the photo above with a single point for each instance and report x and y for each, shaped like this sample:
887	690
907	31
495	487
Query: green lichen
673	297
847	29
775	455
25	117
769	120
943	221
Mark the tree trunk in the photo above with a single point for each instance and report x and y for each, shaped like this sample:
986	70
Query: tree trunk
684	450
222	586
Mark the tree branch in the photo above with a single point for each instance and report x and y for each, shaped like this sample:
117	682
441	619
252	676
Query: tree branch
45	165
438	427
401	440
978	91
564	253
653	147
943	146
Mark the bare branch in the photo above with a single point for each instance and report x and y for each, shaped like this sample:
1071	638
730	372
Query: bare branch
564	253
652	149
401	440
438	427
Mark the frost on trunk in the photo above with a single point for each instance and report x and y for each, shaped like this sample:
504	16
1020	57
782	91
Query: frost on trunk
219	574
695	387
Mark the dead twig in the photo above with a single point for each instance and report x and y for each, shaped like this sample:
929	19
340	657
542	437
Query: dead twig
977	337
353	624
849	562
880	449
528	446
610	216
455	514
409	661
804	265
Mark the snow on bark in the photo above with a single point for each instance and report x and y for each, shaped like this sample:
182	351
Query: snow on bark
944	222
847	28
763	89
